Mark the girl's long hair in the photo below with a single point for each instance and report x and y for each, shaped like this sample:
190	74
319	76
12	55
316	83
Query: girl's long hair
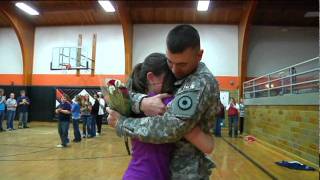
157	64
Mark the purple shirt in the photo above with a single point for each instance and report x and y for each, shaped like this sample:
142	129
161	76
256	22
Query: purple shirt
149	161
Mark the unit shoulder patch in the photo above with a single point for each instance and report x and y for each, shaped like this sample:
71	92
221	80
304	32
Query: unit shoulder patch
185	103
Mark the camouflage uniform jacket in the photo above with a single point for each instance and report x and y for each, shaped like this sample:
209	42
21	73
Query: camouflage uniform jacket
194	104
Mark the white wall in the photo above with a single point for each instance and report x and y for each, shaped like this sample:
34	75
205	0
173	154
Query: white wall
274	48
110	55
220	44
10	52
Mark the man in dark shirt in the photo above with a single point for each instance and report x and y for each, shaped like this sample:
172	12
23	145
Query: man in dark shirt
64	114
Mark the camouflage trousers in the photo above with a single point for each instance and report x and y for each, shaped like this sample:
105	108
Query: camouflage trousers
192	167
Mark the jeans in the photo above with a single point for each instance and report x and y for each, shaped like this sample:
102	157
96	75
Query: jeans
23	119
217	131
63	128
10	118
1	119
76	130
86	122
233	126
93	125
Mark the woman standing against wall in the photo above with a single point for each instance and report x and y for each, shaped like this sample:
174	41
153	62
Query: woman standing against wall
242	108
232	109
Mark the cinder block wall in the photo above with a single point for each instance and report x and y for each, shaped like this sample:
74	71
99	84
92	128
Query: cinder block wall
293	128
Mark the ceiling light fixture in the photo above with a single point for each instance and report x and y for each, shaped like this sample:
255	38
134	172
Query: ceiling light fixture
311	14
203	5
107	6
26	8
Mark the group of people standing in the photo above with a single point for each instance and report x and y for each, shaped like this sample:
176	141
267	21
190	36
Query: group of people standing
235	112
9	107
81	108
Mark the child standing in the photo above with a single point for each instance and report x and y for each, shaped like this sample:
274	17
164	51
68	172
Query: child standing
75	109
64	112
11	111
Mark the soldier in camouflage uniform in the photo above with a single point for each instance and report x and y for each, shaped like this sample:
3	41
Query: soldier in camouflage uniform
194	104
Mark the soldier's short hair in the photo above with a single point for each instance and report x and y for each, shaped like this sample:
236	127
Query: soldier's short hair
182	37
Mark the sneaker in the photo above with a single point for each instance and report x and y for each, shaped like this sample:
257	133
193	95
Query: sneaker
20	127
60	146
97	134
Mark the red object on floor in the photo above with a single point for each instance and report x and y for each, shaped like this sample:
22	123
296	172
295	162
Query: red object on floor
250	138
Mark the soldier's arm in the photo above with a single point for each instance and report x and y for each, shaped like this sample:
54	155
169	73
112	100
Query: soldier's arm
182	115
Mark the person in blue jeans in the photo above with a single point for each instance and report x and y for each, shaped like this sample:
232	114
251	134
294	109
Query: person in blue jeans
75	110
2	108
219	119
11	111
64	113
23	105
233	114
85	109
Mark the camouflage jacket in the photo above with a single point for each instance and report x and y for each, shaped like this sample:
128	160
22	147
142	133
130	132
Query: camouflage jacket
194	104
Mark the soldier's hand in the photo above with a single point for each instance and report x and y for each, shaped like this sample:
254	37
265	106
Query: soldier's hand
113	117
153	106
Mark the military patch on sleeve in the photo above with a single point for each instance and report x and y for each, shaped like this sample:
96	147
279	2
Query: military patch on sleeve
185	104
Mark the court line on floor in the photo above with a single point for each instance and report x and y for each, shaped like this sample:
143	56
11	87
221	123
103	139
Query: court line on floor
68	159
32	152
22	145
251	160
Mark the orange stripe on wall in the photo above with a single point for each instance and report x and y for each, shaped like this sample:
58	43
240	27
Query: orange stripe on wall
9	79
71	80
225	82
228	82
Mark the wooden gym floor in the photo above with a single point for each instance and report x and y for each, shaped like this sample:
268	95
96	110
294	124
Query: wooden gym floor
31	154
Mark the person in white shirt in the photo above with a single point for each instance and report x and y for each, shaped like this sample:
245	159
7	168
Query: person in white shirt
101	112
242	114
11	111
233	111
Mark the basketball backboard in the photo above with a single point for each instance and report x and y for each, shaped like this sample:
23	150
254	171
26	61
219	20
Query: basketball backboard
70	58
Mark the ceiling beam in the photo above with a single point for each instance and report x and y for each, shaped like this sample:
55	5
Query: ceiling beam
25	32
244	29
182	4
127	28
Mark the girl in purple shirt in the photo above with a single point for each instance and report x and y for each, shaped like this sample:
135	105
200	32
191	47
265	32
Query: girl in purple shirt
151	161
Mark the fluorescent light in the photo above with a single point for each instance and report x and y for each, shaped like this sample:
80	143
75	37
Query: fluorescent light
311	14
107	6
203	5
27	9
